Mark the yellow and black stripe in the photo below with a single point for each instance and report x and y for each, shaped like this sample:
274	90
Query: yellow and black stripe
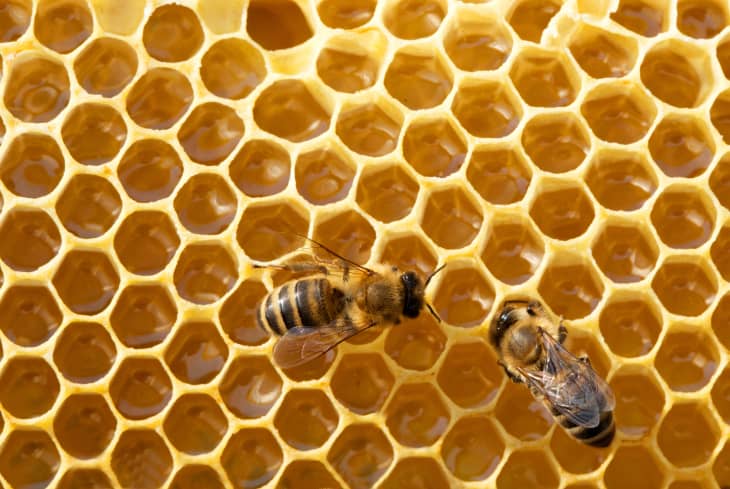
599	436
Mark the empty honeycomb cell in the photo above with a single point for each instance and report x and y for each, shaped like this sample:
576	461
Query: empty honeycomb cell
684	288
32	165
562	210
260	168
701	19
627	462
29	459
29	315
195	424
347	70
238	314
84	352
62	25
232	68
687	360
528	468
434	147
688	435
196	476
642	17
681	146
416	473
413	19
368	130
500	175
14	19
477	43
618	113
416	344
621	181
28	387
451	218
140	388
149	170
84	425
419	80
570	287
624	252
106	66
205	273
630	324
721	395
720	252
683	217
409	252
521	415
464	297
720	318
205	204
94	133
307	474
269	230
513	250
305	419
361	454
469	375
146	241
88	206
676	73
86	281
82	478
345	14
159	98
210	133
473	448
556	142
141	460
197	353
250	387
122	18
572	455
143	315
251	458
487	109
172	33
387	192
324	175
30	239
362	382
37	88
287	109
347	233
416	415
278	24
529	18
544	78
602	53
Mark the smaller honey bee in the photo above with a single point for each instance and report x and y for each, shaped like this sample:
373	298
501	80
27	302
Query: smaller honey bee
524	336
334	300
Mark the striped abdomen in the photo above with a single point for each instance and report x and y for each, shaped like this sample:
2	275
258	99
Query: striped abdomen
600	436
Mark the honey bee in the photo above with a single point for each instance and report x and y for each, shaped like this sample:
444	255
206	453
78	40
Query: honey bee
334	300
524	336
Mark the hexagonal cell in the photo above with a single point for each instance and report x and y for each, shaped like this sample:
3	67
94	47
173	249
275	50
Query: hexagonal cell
487	109
409	252
140	388
368	130
719	114
29	459
205	273
416	344
469	375
527	469
689	484
451	218
464	297
205	204
324	175
37	88
630	324
521	415
419	80
62	25
210	133
84	352
30	239
570	286
146	241
86	281
84	478
476	43
723	56
196	477
32	165
15	19
238	314
618	113
270	230
720	181
433	147
514	249
195	424
701	19
345	14
106	66
624	252
562	210
602	53
639	401
305	419
677	73
28	387
556	142
149	170
583	344
687	360
88	206
306	474
620	180
387	192
143	315
287	109
681	146
347	69
362	382
720	318
159	98
84	425
260	168
250	387
500	175
721	466
141	459
685	288
688	435
29	314
172	33
530	17
572	454
232	68
347	233
361	455
628	461
414	19
277	25
720	252
416	473
544	78
197	353
93	133
473	448
721	395
251	458
646	18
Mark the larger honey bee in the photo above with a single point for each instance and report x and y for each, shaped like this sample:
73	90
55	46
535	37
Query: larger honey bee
335	300
580	401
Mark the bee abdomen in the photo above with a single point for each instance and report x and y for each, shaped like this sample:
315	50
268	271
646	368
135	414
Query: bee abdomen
598	436
306	302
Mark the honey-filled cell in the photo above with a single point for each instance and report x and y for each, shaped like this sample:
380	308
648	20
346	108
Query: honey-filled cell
276	25
362	382
205	204
688	435
205	273
602	53
307	474
556	143
644	17
452	218
544	78
639	401
418	80
630	460
345	14
15	19
415	344
347	70
676	73
93	133
687	360
269	230
305	419
723	56
361	454
210	133
618	113
473	448
721	395
681	146
239	311
196	476
143	315
146	241
625	253
83	478
720	252
434	147
232	68
84	352
500	175
347	233
140	388
413	19
172	33
630	325
84	425
571	288
720	318
106	66
149	170
29	458
86	281
685	288
683	217
720	115
701	19
528	469
252	458
260	168
289	110
197	353
386	192
195	424
88	206
562	211
530	17
32	165
141	459
513	251
719	181
409	252
324	175
621	181
469	375
29	315
464	297
477	44
368	129
28	387
30	239
521	415
487	109
159	98
37	88
416	472
250	387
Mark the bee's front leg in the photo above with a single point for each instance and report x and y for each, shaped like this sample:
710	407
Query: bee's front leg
514	378
562	332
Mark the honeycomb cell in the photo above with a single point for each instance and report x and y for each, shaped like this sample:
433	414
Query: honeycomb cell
84	352
88	206
433	147
628	461
416	344
196	477
464	297
416	473
720	115
687	360
86	281
140	388
556	142
387	192
720	318
619	114
106	66
260	168
195	424
270	230
721	395
32	165
122	18
624	252
514	249
205	273
250	387
570	287
409	252
146	241
451	218
362	382
688	484
317	367
197	353
238	314
473	448
621	181
562	210
251	458
681	147
419	80
602	53
521	415
172	33
159	98
500	175
324	175
527	469
30	239
307	474
84	425
572	454
676	73
149	170
141	460
368	130
413	19
232	68
28	387
94	133
287	109
143	315
29	459
721	466
305	419
345	14
347	233
684	288
36	89
701	19
469	375
14	19
644	18
529	18
361	455
720	252
210	133
62	25
29	315
477	44
487	109
719	181
84	479
723	56
688	435
630	324
544	79
347	70
205	204
278	24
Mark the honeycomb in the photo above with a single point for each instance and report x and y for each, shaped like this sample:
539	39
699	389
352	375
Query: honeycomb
570	150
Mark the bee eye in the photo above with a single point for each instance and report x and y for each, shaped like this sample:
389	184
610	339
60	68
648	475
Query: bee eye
393	269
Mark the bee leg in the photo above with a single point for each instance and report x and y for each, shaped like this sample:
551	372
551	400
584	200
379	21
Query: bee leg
562	333
509	373
585	360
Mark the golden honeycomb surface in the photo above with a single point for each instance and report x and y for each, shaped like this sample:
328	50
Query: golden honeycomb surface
574	151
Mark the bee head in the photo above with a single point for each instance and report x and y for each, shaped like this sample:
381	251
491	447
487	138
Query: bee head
507	316
412	294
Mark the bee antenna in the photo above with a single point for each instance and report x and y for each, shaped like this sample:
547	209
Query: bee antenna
428	279
438	318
